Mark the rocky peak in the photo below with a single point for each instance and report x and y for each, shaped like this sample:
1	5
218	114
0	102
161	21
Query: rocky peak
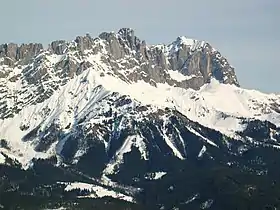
122	43
84	42
12	52
28	51
8	50
128	36
199	58
193	58
58	47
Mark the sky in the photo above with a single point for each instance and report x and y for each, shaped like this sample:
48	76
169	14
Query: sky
246	32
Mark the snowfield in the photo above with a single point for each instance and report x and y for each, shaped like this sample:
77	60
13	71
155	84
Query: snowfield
206	106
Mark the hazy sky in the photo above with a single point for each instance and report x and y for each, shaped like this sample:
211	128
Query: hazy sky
246	32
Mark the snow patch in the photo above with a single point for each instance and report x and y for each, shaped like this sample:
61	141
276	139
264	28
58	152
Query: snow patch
130	141
202	151
155	175
2	159
176	75
97	191
170	143
199	135
159	175
191	199
207	204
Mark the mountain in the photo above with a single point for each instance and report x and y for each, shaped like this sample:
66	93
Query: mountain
112	122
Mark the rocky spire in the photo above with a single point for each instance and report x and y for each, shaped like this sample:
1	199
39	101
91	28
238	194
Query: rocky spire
58	47
22	53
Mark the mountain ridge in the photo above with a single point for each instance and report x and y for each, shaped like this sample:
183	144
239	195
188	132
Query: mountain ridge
121	117
90	69
54	64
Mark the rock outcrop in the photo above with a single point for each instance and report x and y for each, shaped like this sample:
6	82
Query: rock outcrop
58	47
24	53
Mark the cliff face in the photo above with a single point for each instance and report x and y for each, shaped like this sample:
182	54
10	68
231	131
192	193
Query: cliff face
12	53
193	58
189	57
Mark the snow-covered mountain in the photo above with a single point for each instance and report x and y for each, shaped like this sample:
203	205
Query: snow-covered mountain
101	106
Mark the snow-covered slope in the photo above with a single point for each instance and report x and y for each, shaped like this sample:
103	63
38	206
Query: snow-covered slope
48	91
215	105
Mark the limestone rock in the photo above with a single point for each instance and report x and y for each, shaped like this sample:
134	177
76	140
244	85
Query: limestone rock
58	47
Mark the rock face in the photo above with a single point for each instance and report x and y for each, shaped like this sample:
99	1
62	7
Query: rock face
190	57
58	47
198	58
8	50
41	72
23	53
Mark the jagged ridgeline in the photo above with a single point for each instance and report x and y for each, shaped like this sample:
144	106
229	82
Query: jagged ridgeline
40	71
115	123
